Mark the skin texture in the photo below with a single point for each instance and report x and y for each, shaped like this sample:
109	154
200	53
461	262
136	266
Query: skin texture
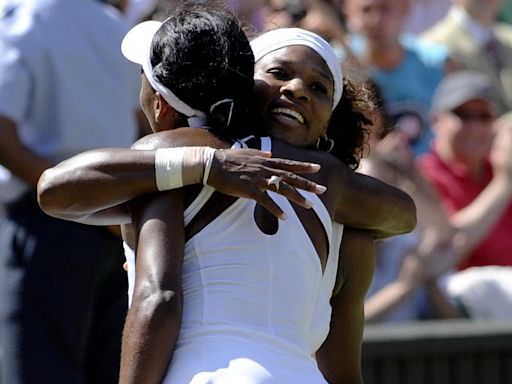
301	76
157	290
348	303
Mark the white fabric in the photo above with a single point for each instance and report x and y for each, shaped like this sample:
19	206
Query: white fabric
256	306
480	33
284	37
484	292
69	92
136	47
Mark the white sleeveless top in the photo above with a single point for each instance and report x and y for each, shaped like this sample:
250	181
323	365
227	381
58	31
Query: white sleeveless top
256	306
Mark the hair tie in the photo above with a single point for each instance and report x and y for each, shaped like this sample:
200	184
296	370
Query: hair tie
223	103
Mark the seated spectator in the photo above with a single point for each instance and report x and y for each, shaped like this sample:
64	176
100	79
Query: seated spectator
407	268
415	275
470	166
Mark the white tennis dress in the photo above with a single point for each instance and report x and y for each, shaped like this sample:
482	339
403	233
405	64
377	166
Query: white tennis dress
256	306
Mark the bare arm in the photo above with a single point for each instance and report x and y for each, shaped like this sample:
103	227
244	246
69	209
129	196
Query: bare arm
368	203
83	187
154	319
339	358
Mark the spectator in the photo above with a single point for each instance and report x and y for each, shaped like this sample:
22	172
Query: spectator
64	88
470	166
477	42
250	11
406	70
320	17
407	267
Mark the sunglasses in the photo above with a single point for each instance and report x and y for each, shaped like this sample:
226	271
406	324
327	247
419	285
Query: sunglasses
477	116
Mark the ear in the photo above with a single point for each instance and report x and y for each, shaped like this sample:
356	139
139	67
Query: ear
162	110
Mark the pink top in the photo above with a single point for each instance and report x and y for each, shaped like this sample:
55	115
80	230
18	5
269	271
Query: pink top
457	189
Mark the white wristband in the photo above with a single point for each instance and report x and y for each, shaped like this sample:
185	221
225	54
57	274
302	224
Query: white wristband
168	168
209	152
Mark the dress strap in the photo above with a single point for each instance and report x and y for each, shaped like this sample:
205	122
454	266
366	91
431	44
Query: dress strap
207	191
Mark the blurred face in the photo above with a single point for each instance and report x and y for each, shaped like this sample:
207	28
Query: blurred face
295	88
476	7
381	21
465	134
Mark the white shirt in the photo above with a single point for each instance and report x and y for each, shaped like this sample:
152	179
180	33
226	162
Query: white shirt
63	79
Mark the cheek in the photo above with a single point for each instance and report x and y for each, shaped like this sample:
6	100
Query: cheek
323	115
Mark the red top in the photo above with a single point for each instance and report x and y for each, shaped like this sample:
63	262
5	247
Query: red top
457	189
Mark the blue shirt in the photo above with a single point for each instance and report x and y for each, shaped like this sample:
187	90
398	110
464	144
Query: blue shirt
408	88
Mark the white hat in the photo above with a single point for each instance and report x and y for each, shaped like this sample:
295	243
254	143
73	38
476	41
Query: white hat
136	47
284	37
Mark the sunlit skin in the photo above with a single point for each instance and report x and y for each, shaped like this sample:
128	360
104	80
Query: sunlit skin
154	107
295	90
465	135
146	100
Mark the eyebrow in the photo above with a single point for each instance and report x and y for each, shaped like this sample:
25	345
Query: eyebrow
325	74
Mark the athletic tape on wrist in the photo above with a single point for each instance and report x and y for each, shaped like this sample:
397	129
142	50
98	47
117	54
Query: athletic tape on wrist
208	161
168	168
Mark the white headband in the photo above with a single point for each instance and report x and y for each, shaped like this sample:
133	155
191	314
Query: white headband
284	37
136	47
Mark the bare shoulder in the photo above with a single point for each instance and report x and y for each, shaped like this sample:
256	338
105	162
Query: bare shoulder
329	164
180	137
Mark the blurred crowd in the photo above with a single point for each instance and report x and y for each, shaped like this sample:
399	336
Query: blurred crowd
441	72
441	75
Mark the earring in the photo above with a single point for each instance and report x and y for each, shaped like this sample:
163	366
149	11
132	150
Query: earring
324	144
330	143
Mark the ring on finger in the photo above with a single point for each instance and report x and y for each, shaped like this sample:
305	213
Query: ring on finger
275	181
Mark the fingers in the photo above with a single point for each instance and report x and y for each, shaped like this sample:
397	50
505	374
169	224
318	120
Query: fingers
275	162
293	195
264	200
291	165
300	182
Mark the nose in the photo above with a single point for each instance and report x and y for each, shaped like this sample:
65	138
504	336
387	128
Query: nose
295	89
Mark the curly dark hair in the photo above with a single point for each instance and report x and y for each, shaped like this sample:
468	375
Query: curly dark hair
347	125
202	54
